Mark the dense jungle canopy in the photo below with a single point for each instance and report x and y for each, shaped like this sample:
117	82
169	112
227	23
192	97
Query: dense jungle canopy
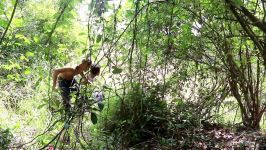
174	74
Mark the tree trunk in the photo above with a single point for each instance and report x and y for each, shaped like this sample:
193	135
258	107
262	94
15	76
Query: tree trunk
244	88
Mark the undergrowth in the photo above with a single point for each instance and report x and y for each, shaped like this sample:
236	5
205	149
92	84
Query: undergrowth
142	117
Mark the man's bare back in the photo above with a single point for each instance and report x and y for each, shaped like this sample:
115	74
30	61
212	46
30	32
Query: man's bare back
66	73
69	73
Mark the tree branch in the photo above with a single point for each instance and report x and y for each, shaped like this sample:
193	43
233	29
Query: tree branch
248	30
8	25
57	20
256	21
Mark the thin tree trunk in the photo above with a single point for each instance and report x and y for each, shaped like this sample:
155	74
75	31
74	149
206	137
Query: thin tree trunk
10	20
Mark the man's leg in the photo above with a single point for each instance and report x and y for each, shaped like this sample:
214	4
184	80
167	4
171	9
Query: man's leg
65	93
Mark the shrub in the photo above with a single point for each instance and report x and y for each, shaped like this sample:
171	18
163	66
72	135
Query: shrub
139	116
5	138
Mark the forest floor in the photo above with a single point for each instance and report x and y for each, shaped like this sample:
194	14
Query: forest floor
212	137
224	138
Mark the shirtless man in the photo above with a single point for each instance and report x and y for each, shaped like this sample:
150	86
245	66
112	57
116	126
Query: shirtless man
66	80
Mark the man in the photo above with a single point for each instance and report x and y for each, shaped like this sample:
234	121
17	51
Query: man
66	79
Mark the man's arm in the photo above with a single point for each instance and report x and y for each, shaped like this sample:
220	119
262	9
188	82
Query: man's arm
84	78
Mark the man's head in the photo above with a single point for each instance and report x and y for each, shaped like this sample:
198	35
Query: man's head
95	69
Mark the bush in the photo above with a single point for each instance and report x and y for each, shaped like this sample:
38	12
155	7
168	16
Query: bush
143	118
136	118
184	114
5	138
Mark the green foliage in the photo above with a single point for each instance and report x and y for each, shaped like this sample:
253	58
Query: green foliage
142	116
93	118
116	70
183	55
136	116
101	106
5	138
184	115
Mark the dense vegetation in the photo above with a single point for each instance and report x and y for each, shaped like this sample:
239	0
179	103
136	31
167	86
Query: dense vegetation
176	74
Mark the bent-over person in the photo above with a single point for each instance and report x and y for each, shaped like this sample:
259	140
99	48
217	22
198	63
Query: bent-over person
65	78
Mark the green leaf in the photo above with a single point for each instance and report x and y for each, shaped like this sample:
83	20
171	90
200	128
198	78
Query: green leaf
36	39
186	28
10	76
3	23
41	106
45	100
93	118
38	82
98	38
101	106
22	57
27	71
29	54
1	7
82	33
19	36
57	103
239	2
13	2
116	70
18	22
66	126
129	13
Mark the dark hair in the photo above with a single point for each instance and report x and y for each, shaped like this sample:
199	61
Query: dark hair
95	69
